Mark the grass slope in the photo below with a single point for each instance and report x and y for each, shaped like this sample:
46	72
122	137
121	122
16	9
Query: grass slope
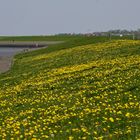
84	92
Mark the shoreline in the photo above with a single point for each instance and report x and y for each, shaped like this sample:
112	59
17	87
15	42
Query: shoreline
6	61
28	43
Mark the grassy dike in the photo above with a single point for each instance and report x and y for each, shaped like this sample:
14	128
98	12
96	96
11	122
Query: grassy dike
85	88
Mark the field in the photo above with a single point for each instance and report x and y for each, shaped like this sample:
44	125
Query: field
86	88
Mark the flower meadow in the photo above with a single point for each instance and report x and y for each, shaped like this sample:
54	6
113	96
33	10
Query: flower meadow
89	92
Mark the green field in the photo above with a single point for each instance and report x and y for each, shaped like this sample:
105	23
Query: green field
85	88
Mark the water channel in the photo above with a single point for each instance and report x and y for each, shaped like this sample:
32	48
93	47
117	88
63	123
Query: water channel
7	53
9	49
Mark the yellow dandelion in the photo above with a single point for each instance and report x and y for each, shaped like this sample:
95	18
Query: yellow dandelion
111	119
71	137
128	114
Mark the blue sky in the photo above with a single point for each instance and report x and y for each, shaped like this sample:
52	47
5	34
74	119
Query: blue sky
42	17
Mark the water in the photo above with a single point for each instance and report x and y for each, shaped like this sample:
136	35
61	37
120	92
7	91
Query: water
6	56
9	51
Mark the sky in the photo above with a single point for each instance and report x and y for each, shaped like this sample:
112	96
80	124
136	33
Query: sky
46	17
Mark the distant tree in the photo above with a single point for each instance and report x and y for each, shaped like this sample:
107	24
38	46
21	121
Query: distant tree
138	30
138	34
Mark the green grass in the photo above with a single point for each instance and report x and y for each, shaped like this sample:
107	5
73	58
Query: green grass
85	88
53	38
36	38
